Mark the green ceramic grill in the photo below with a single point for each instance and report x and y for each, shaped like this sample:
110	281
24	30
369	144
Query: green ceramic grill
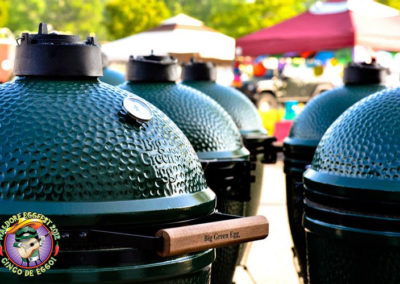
202	76
360	80
212	133
352	196
119	179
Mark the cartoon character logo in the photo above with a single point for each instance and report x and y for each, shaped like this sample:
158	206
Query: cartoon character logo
28	244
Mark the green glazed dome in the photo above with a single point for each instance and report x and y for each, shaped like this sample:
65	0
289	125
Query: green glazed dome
239	107
361	147
112	77
311	124
206	124
68	149
68	141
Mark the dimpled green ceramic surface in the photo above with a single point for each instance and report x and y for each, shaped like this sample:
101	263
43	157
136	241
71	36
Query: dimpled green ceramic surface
239	107
306	132
322	111
65	141
357	163
362	145
207	126
69	141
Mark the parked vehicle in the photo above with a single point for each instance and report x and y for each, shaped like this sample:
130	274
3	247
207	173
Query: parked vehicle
270	93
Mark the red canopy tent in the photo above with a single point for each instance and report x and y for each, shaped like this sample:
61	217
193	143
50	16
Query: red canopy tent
328	26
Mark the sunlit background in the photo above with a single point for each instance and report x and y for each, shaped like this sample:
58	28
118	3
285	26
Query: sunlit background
205	30
279	78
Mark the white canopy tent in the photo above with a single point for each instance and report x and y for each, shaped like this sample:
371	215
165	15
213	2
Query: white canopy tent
178	35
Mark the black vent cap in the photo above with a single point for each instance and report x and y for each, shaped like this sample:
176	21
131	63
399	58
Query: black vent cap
364	73
152	68
57	55
199	71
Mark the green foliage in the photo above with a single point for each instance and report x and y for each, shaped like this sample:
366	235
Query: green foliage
75	16
238	17
24	15
124	18
235	18
3	12
81	17
272	12
112	19
392	3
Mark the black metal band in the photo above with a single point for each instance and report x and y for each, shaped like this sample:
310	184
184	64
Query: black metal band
363	214
299	152
138	237
351	219
261	144
104	258
229	179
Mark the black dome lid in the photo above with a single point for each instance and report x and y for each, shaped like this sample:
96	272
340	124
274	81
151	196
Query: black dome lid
363	73
152	68
57	55
199	71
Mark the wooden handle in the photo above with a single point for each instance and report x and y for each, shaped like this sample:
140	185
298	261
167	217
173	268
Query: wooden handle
193	238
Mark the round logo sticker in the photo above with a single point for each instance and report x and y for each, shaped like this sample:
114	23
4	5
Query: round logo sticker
29	244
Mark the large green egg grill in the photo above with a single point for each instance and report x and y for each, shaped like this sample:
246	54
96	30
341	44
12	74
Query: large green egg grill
72	149
352	196
360	80
211	131
202	76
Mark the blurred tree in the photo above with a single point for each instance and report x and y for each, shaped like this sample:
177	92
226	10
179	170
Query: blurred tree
75	16
235	18
24	15
273	12
81	17
3	12
112	19
239	17
393	3
174	6
123	18
200	9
